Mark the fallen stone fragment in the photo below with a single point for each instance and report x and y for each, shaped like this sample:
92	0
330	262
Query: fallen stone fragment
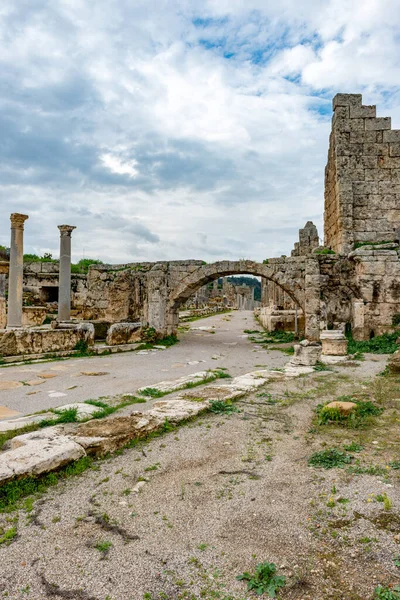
345	408
38	452
34	382
46	375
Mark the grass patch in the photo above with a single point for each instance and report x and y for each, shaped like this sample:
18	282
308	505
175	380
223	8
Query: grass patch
275	337
69	415
320	366
380	344
8	536
11	493
330	459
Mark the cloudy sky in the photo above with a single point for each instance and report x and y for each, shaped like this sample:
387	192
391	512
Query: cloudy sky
172	129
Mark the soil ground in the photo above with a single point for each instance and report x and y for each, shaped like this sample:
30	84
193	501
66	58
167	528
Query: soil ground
222	494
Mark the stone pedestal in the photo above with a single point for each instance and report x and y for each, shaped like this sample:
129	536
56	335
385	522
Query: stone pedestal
306	354
15	281
334	343
64	290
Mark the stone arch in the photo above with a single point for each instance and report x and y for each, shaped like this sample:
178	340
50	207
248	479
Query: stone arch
287	275
207	273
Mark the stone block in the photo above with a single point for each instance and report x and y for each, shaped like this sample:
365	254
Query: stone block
306	354
373	174
373	149
124	333
362	112
392	135
378	124
388	162
33	315
394	149
38	452
349	125
386	187
347	100
37	340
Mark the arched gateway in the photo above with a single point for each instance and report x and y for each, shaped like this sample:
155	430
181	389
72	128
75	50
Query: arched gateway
294	275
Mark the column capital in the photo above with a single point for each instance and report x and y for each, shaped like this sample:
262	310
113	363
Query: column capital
18	220
66	230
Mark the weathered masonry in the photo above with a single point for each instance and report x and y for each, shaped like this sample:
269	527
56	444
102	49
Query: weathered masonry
362	177
353	279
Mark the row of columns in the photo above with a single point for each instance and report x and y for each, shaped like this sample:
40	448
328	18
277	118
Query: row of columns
16	272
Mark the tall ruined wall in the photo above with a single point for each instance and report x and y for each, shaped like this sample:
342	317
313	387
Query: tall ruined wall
362	176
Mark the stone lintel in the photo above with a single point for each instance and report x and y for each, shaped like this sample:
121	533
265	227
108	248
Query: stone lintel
18	220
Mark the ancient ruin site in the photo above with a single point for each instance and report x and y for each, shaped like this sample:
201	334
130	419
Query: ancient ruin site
170	430
199	300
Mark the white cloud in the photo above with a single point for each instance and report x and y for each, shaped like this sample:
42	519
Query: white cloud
169	129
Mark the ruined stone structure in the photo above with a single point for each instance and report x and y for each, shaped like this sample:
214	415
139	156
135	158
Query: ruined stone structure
354	279
362	177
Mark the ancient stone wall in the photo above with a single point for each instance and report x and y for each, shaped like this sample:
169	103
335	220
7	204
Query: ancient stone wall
362	176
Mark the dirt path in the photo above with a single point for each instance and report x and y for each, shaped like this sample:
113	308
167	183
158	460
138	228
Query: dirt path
221	495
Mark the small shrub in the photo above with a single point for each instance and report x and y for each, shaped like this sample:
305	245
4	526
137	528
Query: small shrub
264	580
330	459
395	464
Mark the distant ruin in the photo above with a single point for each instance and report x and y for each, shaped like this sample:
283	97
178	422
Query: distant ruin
352	280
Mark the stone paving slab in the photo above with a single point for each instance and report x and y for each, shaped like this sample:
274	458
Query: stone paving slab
52	447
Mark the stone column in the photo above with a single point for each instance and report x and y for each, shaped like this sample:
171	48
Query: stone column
16	273
64	285
3	310
312	304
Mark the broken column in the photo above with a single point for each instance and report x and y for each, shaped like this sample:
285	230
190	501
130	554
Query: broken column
64	286
16	272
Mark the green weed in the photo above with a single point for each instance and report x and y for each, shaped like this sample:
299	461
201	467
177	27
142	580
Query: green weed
227	408
330	459
264	580
385	593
